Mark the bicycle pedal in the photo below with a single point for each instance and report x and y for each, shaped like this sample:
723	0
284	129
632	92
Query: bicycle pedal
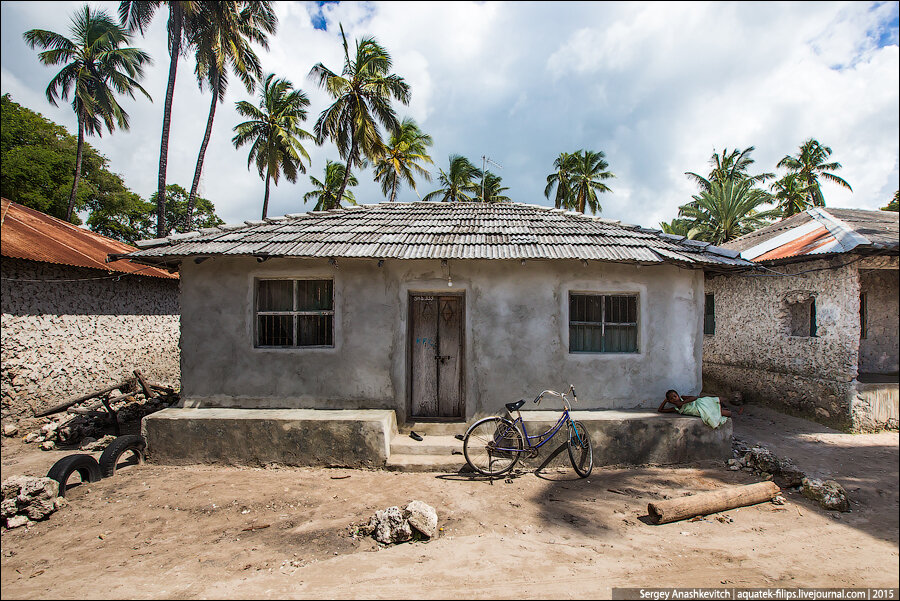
459	437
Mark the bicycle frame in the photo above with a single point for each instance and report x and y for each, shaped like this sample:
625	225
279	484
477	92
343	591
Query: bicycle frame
543	437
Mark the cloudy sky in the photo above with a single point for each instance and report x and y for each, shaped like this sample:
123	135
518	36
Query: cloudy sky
656	86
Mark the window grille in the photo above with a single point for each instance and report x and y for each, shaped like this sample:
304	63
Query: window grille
602	323
294	313
709	315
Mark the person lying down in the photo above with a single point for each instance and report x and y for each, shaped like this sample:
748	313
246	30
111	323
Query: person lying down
707	408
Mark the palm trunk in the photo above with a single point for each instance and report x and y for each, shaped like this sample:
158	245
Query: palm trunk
266	199
394	189
167	122
350	156
200	157
78	155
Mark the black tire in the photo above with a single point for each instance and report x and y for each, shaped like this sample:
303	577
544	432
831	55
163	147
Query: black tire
86	466
580	450
482	439
121	445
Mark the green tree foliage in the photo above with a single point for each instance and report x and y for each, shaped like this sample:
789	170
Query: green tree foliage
729	165
362	99
407	148
727	210
809	165
577	179
680	227
491	189
791	194
325	193
221	40
274	133
559	180
894	205
96	67
460	183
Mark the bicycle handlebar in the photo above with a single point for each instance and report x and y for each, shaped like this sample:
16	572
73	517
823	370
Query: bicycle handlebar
565	399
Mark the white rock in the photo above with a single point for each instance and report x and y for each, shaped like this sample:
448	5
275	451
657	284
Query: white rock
390	526
10	430
17	521
48	445
422	517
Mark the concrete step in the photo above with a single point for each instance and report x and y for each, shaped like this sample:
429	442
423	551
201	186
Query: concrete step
449	464
430	445
434	428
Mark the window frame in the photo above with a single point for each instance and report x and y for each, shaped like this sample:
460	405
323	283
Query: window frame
603	295
709	314
294	313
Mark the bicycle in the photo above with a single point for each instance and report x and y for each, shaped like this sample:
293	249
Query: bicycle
492	445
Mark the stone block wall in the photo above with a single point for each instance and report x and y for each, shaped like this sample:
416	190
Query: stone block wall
753	351
62	338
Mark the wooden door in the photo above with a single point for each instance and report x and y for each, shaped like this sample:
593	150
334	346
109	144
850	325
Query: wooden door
436	362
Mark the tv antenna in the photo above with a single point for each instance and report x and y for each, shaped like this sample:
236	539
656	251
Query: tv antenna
484	163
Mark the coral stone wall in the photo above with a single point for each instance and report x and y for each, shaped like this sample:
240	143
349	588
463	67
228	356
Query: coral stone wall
62	338
753	351
878	351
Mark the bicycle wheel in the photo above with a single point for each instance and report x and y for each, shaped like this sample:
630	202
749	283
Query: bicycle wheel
492	446
580	451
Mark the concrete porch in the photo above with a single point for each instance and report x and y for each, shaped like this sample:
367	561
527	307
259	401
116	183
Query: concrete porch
371	438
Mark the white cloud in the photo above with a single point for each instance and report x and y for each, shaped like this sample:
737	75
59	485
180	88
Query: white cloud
656	86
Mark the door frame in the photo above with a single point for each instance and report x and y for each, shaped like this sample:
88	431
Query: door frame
461	294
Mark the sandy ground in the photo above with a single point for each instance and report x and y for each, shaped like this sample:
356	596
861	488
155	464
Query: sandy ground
216	532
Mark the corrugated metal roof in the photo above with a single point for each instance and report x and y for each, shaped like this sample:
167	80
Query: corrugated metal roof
30	234
425	230
819	231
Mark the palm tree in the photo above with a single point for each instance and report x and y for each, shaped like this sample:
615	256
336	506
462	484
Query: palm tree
559	179
96	67
407	148
680	227
491	190
791	195
221	39
459	183
894	205
362	98
727	210
274	131
587	171
810	164
137	14
733	165
326	193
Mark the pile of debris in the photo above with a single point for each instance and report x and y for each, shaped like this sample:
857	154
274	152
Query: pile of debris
88	416
394	525
27	499
827	493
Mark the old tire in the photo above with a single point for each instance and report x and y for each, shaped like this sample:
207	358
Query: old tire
117	448
86	466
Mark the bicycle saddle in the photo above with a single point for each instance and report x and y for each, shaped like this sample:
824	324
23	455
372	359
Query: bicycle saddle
515	406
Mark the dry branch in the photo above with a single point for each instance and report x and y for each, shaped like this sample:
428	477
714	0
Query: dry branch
705	503
82	398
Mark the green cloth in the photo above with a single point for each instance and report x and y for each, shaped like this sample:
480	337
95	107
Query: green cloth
706	408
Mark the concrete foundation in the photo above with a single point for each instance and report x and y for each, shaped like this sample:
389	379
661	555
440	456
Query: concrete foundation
362	438
260	436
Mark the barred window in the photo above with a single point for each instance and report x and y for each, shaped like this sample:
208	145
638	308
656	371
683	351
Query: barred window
602	323
709	315
294	313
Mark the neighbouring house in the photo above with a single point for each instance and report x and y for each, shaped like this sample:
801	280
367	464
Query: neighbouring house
441	311
71	322
816	332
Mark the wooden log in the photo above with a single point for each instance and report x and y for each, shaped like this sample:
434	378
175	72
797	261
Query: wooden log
88	412
81	399
140	378
704	503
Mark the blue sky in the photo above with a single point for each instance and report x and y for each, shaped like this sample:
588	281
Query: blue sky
656	86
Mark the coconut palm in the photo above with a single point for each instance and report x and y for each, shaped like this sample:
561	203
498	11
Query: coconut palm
680	227
96	67
221	40
362	99
459	183
727	210
894	205
791	195
491	190
325	193
586	175
809	165
274	132
559	180
729	165
407	148
137	15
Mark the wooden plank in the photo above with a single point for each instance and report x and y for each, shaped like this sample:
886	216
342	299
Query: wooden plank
423	401
450	341
81	399
147	391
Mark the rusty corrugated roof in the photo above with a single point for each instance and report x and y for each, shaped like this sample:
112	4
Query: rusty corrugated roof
426	230
30	234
